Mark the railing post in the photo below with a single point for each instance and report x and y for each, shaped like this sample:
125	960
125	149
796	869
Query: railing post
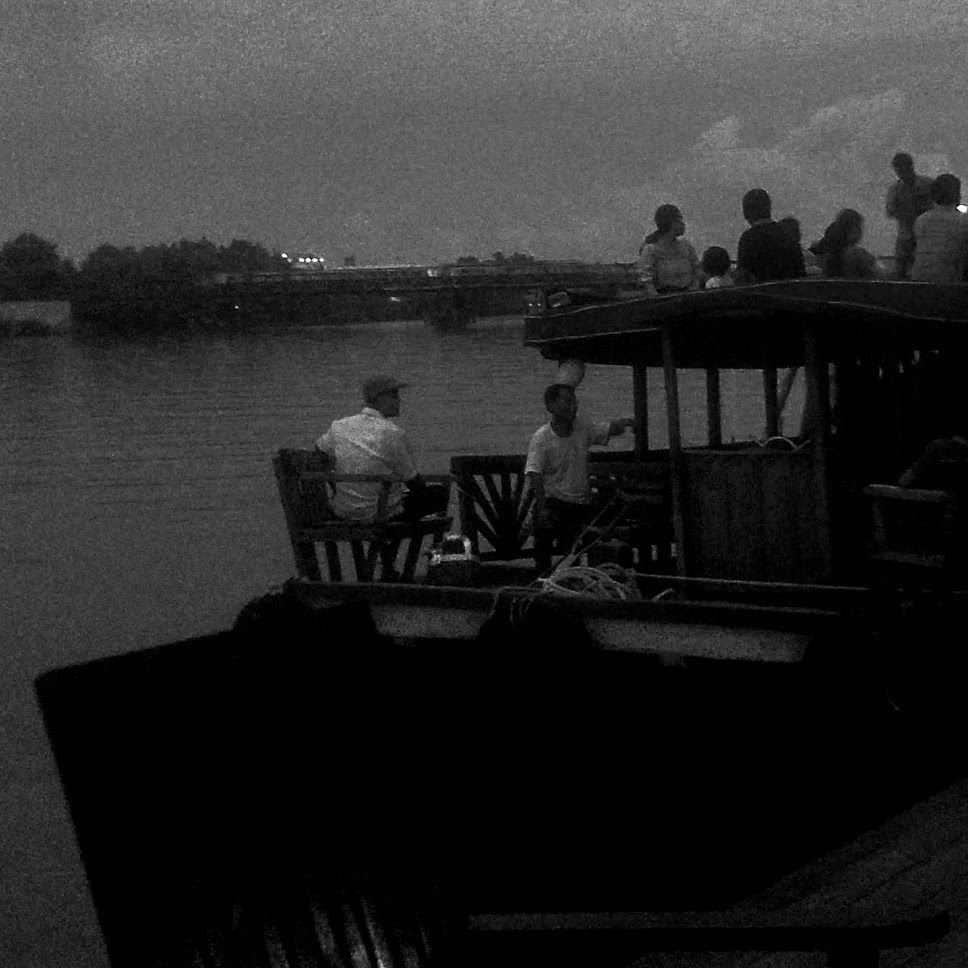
640	400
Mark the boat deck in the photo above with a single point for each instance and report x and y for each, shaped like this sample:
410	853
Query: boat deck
914	865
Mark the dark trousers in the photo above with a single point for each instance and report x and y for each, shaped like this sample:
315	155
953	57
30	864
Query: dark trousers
560	523
423	499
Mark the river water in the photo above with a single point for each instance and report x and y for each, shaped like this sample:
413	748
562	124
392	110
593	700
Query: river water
138	506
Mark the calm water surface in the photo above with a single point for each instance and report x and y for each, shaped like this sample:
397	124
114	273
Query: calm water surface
138	506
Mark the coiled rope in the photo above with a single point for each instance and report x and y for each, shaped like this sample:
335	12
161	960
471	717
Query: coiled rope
608	580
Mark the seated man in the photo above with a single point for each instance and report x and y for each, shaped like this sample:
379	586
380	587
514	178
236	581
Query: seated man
370	443
557	471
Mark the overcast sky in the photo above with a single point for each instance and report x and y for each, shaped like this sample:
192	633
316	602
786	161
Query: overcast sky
419	131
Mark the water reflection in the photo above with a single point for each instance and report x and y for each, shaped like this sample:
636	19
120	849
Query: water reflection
139	504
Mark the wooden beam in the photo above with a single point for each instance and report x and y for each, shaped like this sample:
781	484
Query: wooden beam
640	398
771	399
817	377
675	447
714	416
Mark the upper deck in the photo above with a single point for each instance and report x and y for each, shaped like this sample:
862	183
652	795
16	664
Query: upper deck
738	327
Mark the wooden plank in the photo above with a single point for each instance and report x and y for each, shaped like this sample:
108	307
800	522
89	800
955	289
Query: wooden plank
771	400
640	398
709	630
714	417
675	450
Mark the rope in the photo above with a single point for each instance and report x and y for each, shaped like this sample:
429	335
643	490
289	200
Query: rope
609	580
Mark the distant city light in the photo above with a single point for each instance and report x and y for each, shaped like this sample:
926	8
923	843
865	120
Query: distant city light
963	209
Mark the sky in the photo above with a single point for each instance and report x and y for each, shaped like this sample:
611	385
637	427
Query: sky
424	130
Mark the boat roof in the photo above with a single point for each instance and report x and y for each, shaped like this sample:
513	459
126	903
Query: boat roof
744	327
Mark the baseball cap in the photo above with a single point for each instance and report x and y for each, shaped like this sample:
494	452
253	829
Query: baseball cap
380	383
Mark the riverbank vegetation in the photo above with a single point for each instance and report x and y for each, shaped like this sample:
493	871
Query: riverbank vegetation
128	290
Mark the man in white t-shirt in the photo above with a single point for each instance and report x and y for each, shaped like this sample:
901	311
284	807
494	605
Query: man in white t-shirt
557	470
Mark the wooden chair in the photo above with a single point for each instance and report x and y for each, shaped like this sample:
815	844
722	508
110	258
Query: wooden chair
921	534
492	506
306	481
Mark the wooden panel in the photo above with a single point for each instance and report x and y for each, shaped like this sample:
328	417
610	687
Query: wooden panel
755	514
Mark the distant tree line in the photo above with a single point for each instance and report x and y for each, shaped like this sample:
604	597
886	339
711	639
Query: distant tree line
127	289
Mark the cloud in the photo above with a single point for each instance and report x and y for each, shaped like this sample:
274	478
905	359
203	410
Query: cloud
838	157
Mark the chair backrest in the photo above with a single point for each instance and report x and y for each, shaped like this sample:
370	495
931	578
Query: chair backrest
492	504
305	497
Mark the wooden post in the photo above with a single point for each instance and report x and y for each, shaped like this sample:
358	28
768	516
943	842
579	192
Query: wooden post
771	400
640	400
675	446
714	416
818	389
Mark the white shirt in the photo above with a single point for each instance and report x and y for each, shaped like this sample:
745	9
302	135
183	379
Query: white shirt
942	246
368	443
563	461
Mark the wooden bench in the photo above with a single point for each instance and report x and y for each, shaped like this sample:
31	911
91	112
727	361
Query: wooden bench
306	481
493	507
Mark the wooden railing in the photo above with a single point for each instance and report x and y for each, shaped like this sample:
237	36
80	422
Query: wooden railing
494	507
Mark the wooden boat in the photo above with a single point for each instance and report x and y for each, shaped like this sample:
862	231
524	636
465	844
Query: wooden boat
344	778
767	539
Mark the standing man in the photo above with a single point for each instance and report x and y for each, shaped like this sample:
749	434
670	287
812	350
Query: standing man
369	442
907	198
766	250
941	234
556	470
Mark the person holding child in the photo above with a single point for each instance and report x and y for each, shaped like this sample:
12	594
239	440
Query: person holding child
839	251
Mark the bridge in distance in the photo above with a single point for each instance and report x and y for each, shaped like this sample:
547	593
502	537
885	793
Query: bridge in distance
446	296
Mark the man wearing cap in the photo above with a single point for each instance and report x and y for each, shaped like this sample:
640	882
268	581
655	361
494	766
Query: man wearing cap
369	442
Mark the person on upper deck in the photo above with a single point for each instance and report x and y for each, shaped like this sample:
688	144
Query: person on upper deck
766	250
667	262
716	264
369	442
907	198
556	471
839	251
941	236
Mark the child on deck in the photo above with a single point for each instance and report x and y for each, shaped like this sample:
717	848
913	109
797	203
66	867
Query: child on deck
715	266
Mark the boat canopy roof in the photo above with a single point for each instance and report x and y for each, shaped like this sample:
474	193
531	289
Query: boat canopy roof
747	327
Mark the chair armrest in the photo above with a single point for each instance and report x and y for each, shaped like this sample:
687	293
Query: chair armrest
913	495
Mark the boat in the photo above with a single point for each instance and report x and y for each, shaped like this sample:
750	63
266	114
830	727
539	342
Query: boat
769	539
360	770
